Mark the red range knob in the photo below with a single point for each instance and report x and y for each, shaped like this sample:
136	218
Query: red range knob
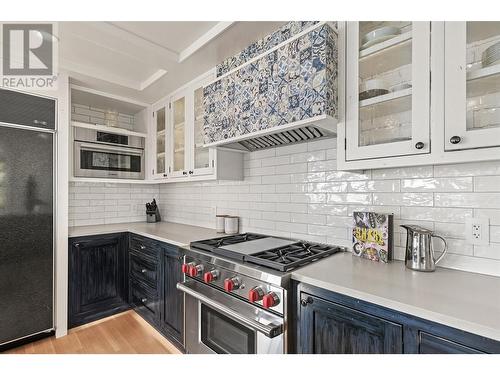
255	294
269	300
208	277
195	270
185	268
231	284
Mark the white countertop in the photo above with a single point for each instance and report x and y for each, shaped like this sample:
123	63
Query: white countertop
458	299
176	234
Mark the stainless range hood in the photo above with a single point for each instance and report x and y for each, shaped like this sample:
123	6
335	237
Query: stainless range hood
285	95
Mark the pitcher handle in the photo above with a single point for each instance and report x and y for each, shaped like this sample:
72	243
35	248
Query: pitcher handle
445	248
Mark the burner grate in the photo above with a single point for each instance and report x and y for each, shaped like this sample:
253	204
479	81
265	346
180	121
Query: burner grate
288	257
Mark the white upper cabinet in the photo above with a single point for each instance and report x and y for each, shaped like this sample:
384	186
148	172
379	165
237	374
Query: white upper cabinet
387	85
472	85
178	127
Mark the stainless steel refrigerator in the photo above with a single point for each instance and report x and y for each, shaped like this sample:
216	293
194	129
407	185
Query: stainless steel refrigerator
27	128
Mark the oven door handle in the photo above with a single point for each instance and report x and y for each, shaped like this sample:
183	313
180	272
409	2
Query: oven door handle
270	330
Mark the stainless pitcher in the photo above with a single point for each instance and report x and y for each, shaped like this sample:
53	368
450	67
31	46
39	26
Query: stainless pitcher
419	249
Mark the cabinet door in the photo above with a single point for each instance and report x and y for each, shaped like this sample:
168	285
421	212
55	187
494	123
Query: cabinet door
387	89
161	145
472	84
97	278
430	344
172	306
180	136
203	161
326	327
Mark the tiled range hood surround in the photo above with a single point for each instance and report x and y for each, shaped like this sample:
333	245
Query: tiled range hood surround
285	95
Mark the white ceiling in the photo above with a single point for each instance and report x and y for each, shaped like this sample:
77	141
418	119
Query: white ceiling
147	60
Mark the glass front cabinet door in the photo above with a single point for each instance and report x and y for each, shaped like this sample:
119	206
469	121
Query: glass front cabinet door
387	89
161	163
472	84
203	160
178	117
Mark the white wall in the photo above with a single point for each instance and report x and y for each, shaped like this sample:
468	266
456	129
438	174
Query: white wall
296	191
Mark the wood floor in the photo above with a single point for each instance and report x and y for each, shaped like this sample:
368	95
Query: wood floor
125	333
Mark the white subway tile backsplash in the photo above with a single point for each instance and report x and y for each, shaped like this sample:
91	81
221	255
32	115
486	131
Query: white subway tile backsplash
487	183
296	191
473	200
447	184
403	199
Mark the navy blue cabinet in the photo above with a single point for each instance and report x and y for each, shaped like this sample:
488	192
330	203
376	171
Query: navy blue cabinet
172	306
154	271
335	329
328	322
97	278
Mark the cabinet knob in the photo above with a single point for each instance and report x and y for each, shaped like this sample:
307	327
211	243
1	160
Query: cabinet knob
142	247
165	175
77	245
144	300
143	270
184	173
455	140
419	145
306	301
191	172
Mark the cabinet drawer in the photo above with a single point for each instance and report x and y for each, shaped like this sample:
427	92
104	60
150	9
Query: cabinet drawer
430	344
143	298
144	270
144	246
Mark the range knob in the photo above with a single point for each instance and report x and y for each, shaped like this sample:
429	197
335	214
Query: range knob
210	276
270	299
195	270
231	284
185	267
255	294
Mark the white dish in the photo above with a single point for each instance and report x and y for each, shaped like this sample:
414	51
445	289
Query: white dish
373	84
379	35
377	41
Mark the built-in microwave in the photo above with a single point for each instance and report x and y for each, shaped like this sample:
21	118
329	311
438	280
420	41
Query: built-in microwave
108	155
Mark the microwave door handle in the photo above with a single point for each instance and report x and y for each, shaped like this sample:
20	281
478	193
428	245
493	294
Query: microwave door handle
122	150
270	330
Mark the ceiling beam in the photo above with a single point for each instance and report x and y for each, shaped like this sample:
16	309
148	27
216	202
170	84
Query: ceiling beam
100	74
215	31
152	79
137	40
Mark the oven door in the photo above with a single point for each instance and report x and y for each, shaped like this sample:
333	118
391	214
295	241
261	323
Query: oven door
106	161
220	323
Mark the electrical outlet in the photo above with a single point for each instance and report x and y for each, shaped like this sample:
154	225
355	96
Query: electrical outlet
477	231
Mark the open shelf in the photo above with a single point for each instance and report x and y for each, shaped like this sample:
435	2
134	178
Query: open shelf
483	81
386	56
107	129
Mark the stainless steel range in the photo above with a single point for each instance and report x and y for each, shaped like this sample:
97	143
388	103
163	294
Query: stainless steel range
237	291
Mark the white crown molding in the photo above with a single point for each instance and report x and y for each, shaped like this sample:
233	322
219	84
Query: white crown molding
204	39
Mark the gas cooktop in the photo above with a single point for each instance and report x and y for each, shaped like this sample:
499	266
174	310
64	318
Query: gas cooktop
272	252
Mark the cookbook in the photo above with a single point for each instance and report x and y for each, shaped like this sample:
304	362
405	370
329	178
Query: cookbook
372	236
